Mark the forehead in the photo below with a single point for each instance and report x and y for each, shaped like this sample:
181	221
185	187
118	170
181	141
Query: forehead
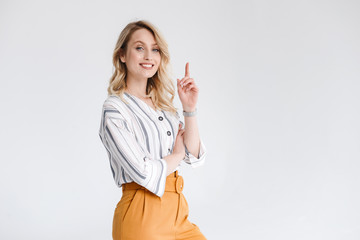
142	36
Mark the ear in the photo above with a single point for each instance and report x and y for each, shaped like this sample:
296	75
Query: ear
122	57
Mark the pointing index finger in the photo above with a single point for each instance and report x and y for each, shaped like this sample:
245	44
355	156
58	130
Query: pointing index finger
187	72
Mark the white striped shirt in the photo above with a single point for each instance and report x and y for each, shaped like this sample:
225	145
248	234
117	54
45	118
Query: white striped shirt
136	138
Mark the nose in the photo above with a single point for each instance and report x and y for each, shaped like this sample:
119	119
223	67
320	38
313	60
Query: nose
148	55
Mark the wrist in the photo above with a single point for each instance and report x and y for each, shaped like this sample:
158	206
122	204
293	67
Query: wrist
189	109
191	113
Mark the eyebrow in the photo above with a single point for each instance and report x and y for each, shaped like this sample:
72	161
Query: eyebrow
143	42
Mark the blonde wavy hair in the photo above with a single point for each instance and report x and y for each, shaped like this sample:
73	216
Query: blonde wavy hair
159	87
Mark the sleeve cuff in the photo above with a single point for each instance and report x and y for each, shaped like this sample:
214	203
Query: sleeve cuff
155	182
196	161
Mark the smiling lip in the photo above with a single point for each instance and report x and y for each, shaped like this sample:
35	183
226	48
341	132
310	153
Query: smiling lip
147	65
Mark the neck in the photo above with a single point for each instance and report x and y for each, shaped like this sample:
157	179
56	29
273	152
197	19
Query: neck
136	87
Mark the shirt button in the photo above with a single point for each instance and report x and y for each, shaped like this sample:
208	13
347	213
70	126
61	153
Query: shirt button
168	133
161	118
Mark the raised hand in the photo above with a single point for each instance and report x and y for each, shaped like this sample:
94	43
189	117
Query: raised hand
188	91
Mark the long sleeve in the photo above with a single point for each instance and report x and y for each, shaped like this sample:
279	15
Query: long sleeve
126	153
190	159
196	161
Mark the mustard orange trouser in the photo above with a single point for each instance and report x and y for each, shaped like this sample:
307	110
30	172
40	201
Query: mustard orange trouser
142	215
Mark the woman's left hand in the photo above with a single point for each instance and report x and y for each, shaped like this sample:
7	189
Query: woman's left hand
188	91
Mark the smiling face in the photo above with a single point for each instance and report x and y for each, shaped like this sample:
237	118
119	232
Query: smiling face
142	56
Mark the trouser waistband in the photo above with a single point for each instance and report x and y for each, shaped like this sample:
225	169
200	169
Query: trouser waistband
174	183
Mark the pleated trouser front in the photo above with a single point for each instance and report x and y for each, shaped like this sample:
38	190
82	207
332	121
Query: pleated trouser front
142	215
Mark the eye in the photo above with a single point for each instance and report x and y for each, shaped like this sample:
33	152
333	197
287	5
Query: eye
157	50
138	47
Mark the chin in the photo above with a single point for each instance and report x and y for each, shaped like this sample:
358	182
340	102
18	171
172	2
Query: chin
150	75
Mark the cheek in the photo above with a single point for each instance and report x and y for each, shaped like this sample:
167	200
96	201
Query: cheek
135	56
158	60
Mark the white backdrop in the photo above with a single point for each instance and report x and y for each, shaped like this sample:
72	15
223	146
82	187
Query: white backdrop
279	112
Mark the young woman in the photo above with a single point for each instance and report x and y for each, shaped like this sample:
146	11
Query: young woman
145	139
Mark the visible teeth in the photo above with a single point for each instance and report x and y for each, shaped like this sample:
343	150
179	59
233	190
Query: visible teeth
146	65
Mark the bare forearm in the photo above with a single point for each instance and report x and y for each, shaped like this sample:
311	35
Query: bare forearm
191	135
173	160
